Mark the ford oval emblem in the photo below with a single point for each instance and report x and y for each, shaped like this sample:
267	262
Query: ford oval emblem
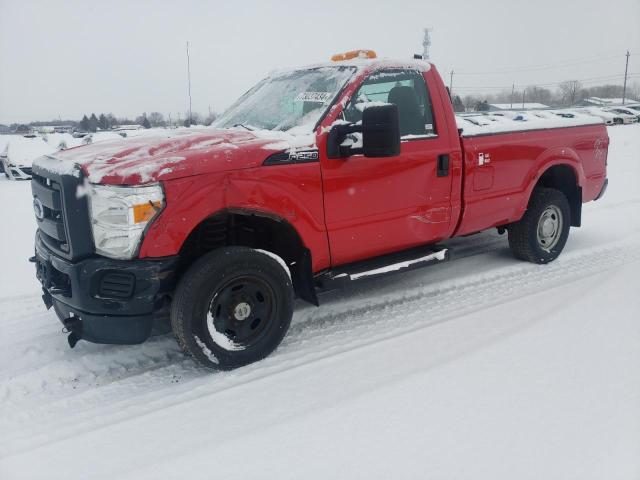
38	208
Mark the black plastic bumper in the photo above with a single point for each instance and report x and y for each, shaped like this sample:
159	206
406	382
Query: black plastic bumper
103	300
603	189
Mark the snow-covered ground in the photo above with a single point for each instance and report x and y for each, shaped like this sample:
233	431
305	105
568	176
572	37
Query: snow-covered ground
481	368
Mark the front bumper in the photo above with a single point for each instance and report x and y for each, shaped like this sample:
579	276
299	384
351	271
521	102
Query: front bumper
103	300
16	172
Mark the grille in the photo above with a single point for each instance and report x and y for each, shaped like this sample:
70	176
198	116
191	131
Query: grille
117	285
64	226
51	226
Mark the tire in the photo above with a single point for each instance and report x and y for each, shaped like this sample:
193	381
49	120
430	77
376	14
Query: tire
232	307
542	233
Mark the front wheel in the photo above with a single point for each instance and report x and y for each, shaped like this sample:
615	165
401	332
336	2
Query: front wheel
232	307
542	233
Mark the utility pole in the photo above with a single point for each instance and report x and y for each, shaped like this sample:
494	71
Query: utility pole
624	89
189	83
451	84
513	89
523	93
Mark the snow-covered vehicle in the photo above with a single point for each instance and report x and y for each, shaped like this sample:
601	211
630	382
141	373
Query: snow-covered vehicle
626	111
624	116
634	106
315	178
610	118
19	154
3	158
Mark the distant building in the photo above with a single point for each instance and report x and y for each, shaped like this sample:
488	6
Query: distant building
55	129
23	129
120	128
604	102
493	107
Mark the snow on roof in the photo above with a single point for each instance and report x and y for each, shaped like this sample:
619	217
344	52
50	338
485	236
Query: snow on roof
362	63
127	127
490	123
609	101
518	106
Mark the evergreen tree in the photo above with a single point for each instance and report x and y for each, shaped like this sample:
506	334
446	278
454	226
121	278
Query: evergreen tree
458	106
103	123
84	124
111	120
93	122
145	121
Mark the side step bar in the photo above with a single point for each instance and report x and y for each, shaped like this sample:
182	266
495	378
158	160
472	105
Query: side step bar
381	266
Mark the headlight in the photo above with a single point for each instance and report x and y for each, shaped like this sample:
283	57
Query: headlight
119	216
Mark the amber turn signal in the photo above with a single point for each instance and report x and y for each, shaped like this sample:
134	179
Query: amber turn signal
143	212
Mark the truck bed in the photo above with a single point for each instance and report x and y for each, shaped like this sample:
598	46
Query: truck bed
489	123
503	159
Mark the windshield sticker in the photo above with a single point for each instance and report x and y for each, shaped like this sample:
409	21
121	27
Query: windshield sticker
315	97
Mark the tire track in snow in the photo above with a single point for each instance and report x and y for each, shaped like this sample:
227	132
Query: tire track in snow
316	336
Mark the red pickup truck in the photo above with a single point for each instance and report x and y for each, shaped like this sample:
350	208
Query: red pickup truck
315	177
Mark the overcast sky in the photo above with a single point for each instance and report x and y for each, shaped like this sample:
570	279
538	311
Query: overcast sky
65	58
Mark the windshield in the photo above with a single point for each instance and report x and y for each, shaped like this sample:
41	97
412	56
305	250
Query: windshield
294	99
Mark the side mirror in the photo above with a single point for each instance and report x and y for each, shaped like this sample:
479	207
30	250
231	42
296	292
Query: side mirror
380	129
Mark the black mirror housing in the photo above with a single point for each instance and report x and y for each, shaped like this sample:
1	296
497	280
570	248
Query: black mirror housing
381	131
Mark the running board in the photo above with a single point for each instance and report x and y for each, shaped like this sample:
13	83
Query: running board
382	266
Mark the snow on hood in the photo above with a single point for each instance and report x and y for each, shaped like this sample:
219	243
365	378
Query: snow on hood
172	154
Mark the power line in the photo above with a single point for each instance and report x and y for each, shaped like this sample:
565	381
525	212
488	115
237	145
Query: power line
549	84
529	68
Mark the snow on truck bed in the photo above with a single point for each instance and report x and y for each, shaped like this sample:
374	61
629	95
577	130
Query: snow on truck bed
474	124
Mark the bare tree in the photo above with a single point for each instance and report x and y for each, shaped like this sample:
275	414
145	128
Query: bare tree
569	91
538	95
156	119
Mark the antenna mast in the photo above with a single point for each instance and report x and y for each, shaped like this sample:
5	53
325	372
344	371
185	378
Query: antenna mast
426	43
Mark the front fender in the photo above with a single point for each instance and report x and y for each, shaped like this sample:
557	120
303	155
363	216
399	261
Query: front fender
290	192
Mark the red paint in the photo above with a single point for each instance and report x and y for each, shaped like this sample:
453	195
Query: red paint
350	209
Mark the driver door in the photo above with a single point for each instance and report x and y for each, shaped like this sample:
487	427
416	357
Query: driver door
375	206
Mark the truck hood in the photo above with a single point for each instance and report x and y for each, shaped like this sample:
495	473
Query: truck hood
171	154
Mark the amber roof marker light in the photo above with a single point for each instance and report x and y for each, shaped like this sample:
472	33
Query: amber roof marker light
339	57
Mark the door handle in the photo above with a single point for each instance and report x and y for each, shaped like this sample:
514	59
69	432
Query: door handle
443	165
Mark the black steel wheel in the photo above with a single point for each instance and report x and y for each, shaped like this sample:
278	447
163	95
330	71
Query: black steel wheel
232	307
240	311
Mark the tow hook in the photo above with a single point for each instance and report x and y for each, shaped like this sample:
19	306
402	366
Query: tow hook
72	325
46	298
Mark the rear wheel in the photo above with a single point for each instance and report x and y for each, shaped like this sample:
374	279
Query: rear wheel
232	307
542	233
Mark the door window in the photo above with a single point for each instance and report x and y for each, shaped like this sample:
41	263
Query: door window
404	88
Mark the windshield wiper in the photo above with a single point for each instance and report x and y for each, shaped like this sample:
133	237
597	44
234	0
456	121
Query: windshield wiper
244	126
